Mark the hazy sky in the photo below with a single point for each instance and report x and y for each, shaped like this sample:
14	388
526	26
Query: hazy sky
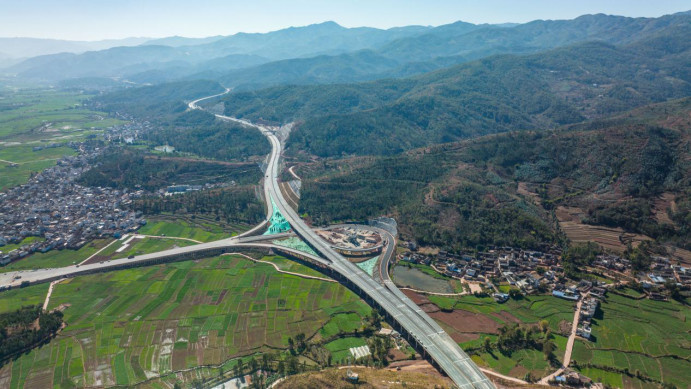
103	19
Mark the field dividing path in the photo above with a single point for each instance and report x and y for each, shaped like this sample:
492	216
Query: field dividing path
50	292
292	172
283	271
569	344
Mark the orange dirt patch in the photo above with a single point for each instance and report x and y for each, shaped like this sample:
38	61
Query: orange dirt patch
680	254
507	317
660	206
463	337
569	214
466	322
422	301
523	190
417	298
614	239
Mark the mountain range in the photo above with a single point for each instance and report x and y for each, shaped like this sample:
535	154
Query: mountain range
329	53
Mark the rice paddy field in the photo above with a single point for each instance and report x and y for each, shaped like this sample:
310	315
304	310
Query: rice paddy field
39	117
195	229
473	319
56	258
652	337
528	310
340	348
126	327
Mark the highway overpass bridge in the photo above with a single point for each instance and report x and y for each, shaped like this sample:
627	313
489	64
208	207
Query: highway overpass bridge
421	330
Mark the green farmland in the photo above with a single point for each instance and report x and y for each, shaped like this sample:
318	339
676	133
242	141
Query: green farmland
196	229
529	309
483	316
125	327
56	258
651	337
36	118
340	348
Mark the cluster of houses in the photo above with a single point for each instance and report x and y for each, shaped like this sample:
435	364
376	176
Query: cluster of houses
517	267
662	271
127	133
612	262
61	213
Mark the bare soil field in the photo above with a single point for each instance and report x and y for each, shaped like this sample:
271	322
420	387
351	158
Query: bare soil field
614	239
410	376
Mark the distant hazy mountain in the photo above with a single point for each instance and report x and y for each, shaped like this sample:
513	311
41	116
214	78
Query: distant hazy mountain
329	53
448	45
177	41
461	39
315	39
31	47
496	94
294	42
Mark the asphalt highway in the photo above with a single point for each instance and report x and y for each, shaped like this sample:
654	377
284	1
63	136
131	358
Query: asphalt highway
420	328
425	331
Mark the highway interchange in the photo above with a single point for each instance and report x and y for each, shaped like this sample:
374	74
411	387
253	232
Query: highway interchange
411	320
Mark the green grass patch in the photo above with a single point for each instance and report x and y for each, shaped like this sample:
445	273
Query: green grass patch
28	240
143	320
203	231
11	300
150	245
56	258
339	348
639	335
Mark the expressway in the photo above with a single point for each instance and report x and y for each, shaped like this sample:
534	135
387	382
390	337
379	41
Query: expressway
198	251
423	329
420	329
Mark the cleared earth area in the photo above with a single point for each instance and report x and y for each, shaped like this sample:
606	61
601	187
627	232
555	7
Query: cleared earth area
127	327
368	378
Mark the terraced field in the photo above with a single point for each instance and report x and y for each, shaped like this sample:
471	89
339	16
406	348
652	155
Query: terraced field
125	327
473	319
651	337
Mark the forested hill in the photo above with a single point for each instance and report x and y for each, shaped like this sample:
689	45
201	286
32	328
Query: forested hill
445	46
630	171
146	99
497	94
328	53
189	131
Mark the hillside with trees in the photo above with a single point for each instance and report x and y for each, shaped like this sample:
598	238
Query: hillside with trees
508	188
493	95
